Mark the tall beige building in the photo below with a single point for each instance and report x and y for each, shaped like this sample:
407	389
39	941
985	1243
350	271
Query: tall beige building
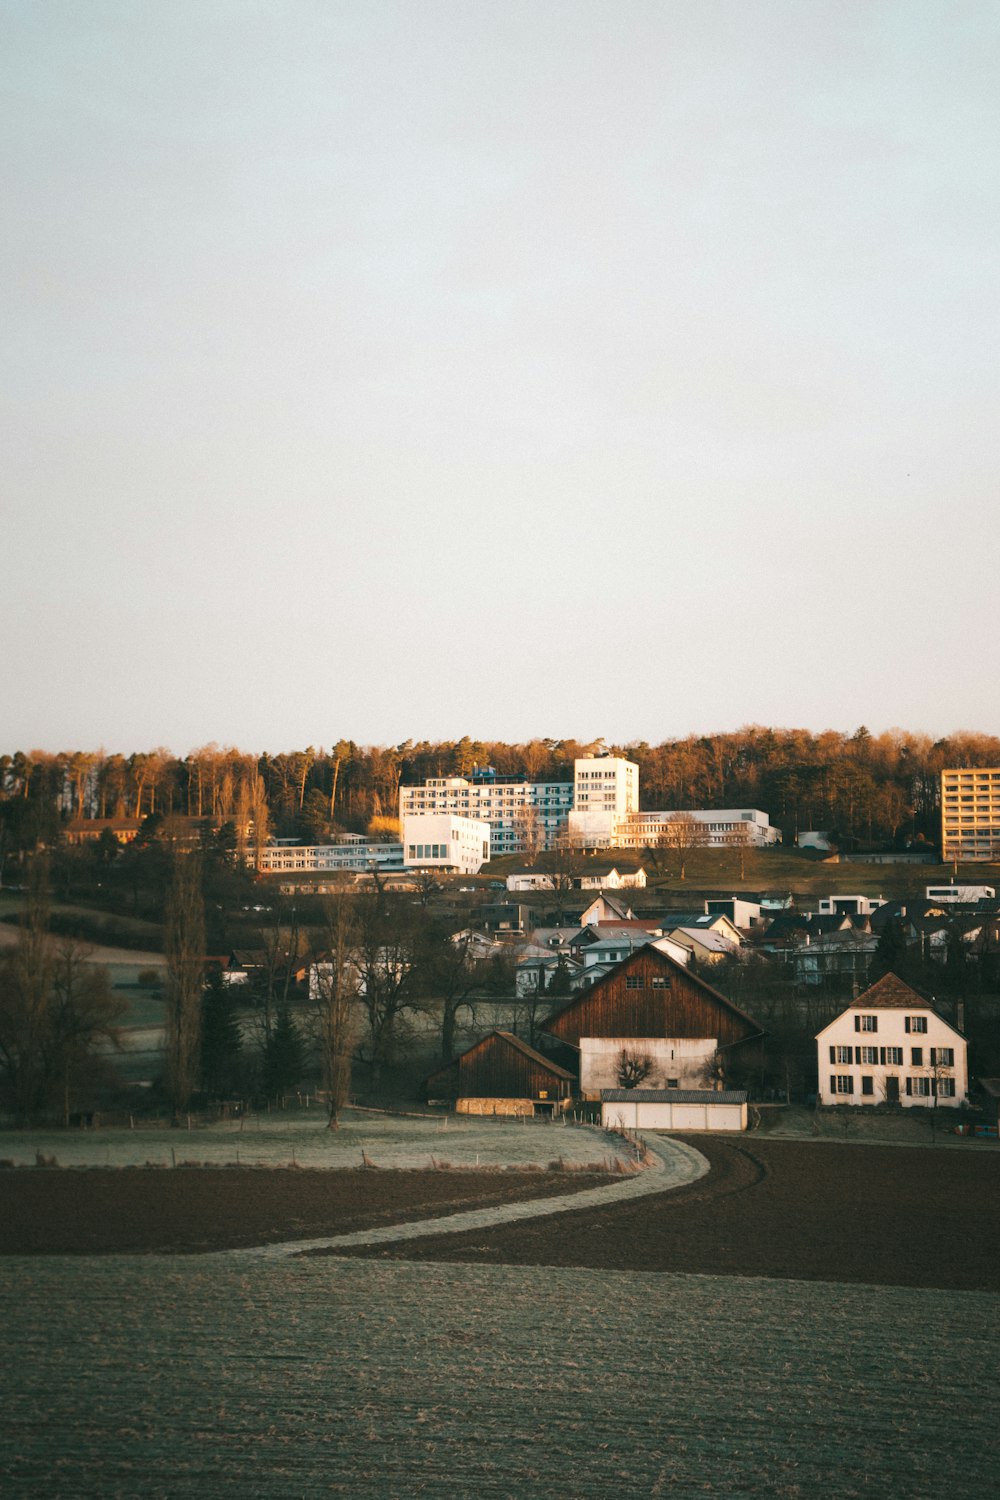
970	813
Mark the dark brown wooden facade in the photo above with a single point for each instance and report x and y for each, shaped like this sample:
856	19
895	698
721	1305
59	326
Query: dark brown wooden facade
501	1066
649	995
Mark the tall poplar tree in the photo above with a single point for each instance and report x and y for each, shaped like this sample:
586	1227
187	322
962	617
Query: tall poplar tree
184	941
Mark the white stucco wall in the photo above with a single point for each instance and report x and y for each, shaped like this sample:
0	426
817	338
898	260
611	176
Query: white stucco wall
689	1060
890	1031
633	1115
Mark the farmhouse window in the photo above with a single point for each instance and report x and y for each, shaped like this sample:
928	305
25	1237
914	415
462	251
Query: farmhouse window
916	1057
868	1084
942	1057
893	1056
661	982
868	1055
916	1023
634	982
841	1083
866	1023
946	1088
842	1054
920	1088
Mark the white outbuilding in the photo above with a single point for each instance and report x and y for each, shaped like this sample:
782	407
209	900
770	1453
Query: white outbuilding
674	1109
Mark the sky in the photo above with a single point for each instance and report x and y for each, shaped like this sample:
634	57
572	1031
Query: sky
564	368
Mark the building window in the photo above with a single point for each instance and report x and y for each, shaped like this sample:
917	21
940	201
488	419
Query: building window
866	1023
673	1083
635	982
869	1055
916	1057
841	1083
894	1057
867	1084
844	1055
946	1088
918	1088
916	1023
942	1057
661	982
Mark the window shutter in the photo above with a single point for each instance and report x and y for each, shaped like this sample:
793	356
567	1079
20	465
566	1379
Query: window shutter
857	1023
833	1054
909	1085
906	1023
933	1057
850	1085
881	1056
833	1084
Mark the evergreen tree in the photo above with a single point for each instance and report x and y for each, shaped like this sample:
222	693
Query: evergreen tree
284	1060
221	1040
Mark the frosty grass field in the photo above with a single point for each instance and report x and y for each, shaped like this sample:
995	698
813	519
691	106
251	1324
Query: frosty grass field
279	1376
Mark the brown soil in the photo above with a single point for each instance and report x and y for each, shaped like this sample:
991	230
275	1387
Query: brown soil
141	1209
881	1215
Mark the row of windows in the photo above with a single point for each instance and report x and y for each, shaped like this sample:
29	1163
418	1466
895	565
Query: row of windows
940	1057
916	1088
638	982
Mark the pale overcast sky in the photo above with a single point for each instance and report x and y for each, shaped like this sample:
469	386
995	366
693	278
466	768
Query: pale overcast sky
566	367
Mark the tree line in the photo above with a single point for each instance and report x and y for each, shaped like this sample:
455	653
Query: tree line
861	786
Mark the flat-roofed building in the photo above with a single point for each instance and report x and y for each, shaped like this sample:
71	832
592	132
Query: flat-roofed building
970	813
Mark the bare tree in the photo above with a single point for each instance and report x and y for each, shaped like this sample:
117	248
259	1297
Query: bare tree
184	942
633	1068
683	832
336	1000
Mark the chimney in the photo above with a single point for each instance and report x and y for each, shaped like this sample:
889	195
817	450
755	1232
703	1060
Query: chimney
960	1016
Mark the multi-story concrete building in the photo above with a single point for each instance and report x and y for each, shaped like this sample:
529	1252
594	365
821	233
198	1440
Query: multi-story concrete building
353	854
718	828
522	815
605	796
970	813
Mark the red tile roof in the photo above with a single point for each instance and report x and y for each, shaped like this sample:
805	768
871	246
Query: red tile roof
890	993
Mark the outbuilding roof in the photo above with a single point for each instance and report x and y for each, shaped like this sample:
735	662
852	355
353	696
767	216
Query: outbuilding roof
673	1096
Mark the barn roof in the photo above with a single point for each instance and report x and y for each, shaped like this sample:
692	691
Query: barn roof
584	997
510	1040
673	1096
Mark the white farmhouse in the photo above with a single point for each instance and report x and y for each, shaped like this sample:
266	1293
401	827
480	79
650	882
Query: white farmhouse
890	1046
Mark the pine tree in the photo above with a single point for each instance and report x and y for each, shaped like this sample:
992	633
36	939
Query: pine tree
283	1055
221	1040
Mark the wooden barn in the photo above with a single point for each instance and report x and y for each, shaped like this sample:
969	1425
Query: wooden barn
672	1027
501	1075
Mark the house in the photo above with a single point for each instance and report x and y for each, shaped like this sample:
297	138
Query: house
891	1046
651	1006
605	908
610	878
501	1075
741	912
705	947
841	954
851	906
674	1109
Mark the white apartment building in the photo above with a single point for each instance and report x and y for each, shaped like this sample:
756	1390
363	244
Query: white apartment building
519	813
445	841
354	854
721	828
970	813
891	1047
605	796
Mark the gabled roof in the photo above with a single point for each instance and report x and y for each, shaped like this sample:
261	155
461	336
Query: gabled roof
528	1052
891	993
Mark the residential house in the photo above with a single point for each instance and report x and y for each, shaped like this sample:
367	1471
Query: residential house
891	1046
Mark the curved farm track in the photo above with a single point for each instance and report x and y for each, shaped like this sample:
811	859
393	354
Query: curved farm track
880	1215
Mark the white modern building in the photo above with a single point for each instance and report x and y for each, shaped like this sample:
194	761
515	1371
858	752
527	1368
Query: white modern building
951	895
718	828
522	815
849	906
891	1047
353	854
445	841
605	796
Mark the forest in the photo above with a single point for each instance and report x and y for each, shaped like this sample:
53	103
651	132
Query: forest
865	788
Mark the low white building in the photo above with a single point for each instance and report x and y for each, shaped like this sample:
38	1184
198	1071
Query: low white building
891	1047
445	841
353	854
961	894
849	906
673	1109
